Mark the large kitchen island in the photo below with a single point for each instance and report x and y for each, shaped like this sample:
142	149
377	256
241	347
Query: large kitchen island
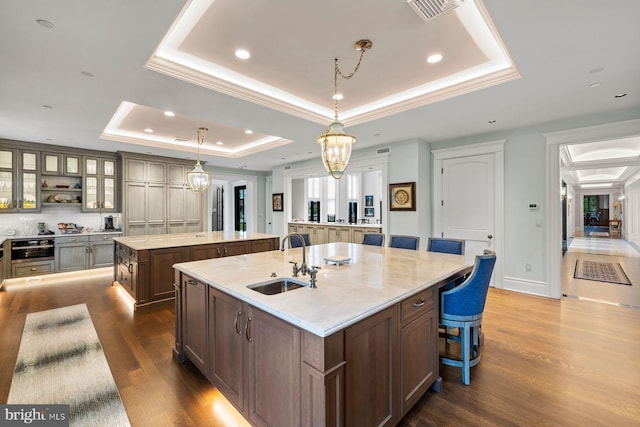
358	350
143	265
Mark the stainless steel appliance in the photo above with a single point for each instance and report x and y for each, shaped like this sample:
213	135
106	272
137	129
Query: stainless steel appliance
108	223
27	250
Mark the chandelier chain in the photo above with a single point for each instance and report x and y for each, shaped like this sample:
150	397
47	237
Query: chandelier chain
346	77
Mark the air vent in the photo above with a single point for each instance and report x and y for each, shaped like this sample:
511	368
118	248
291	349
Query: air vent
382	150
429	9
181	139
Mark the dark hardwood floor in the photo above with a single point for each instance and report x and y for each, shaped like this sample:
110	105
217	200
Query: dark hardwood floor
545	362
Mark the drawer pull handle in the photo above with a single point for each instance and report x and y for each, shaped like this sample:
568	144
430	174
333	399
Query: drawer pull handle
33	269
418	303
192	282
237	323
247	332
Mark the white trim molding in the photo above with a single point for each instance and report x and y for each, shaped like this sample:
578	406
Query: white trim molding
597	133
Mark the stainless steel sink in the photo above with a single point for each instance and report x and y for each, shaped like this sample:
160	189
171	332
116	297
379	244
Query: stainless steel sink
277	286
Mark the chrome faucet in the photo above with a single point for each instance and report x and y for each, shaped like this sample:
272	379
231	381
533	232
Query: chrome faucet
303	267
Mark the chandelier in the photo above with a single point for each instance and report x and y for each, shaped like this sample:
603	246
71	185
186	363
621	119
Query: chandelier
198	178
336	144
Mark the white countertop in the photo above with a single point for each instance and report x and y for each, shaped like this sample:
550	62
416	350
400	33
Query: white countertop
158	241
376	278
338	224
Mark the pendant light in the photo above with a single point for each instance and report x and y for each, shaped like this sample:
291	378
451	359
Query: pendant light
198	178
336	144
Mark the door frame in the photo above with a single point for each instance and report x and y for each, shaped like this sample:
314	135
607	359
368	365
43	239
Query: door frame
624	129
496	148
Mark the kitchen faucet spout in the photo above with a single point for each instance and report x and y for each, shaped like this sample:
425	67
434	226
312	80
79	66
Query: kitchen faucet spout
303	266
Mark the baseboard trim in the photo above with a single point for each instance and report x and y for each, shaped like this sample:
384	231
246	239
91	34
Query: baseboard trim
532	287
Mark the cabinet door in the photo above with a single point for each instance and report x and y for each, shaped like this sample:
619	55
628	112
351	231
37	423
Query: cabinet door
29	182
71	256
418	363
176	208
193	210
108	195
135	208
135	170
236	248
156	210
156	172
226	345
194	329
72	165
273	393
101	252
7	181
201	252
162	274
370	350
51	164
176	174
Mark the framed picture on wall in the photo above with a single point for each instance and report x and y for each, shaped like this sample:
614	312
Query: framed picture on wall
368	211
276	202
402	197
368	201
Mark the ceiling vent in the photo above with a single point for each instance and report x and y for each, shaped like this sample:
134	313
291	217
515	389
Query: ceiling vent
429	9
181	139
382	150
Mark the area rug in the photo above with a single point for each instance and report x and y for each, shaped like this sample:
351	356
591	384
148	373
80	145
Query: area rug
610	272
60	361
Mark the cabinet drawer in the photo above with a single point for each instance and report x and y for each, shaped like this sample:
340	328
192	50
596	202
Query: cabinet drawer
103	238
72	239
32	268
417	304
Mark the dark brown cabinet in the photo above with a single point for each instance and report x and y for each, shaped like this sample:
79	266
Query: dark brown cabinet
195	310
147	274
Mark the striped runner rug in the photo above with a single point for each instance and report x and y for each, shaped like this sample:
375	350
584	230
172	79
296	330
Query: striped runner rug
60	361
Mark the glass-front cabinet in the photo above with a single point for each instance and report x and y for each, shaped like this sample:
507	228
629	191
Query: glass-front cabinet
29	182
7	181
99	185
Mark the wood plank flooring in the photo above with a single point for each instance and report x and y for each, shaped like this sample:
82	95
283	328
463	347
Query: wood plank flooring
545	362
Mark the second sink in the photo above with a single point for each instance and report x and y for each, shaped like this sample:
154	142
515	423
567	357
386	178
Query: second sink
277	286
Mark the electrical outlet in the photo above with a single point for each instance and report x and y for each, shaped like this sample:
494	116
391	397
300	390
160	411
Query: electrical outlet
527	267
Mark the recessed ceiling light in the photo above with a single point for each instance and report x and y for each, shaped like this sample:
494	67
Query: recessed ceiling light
592	85
44	23
148	130
87	74
242	54
248	131
434	59
169	113
337	96
620	95
219	143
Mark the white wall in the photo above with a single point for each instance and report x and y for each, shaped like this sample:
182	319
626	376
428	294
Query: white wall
26	223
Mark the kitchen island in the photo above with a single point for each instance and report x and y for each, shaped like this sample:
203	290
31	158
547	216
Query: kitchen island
143	264
360	349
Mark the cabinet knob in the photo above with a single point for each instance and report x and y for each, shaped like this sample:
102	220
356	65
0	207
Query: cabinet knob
33	269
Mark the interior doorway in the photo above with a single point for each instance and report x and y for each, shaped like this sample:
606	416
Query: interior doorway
239	197
596	215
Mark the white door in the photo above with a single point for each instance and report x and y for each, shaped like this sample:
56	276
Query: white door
268	208
468	202
468	183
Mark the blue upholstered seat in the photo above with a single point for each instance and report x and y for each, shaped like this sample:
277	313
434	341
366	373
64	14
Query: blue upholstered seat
404	242
462	308
447	246
373	239
294	241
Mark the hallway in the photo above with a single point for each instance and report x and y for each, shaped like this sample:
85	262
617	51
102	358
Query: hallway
603	250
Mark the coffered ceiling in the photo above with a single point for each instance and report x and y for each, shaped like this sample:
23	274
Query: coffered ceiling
97	74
